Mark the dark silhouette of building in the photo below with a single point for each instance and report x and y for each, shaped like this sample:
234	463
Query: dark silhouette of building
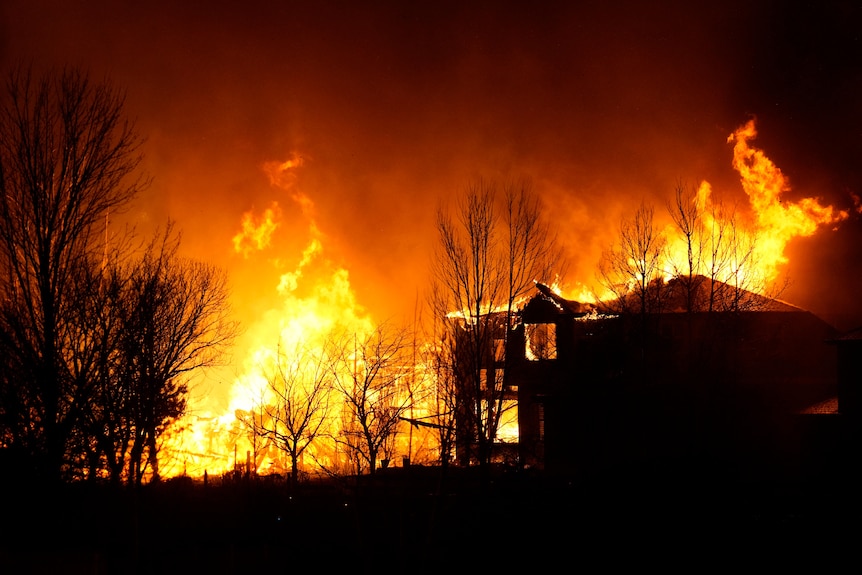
686	391
830	430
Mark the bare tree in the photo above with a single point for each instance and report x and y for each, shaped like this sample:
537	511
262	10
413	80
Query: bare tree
253	422
686	210
445	400
67	159
748	288
371	374
484	267
105	430
297	409
731	279
533	252
632	269
178	322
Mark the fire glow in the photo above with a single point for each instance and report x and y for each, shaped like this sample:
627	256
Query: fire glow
776	221
316	296
753	244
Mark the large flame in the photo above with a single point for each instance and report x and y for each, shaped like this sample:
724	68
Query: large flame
777	220
315	298
256	232
754	240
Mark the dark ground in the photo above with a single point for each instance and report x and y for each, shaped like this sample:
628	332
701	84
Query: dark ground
408	521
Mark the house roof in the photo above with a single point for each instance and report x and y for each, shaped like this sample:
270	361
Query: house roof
700	293
674	299
825	407
849	336
563	305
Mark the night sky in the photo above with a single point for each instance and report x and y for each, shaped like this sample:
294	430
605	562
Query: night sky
397	106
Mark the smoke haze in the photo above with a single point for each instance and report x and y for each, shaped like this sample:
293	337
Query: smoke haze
394	107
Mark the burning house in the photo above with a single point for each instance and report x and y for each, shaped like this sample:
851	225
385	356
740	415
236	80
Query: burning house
682	388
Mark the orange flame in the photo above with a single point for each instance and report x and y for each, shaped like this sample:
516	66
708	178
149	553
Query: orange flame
752	251
316	295
256	233
315	298
777	221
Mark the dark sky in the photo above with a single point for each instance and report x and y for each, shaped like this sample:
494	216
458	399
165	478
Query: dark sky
396	106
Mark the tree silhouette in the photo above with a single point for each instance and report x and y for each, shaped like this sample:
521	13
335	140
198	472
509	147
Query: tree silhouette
445	398
297	406
371	375
686	211
485	265
104	432
67	160
720	270
631	269
96	341
177	322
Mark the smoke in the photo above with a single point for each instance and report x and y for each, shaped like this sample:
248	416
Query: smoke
396	108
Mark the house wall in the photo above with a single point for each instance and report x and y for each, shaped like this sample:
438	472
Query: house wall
669	387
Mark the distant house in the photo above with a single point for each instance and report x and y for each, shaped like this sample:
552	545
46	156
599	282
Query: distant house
690	386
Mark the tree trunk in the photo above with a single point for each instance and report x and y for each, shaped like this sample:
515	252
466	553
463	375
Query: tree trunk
153	455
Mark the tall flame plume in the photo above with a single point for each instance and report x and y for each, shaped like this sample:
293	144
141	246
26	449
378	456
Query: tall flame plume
756	239
315	297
